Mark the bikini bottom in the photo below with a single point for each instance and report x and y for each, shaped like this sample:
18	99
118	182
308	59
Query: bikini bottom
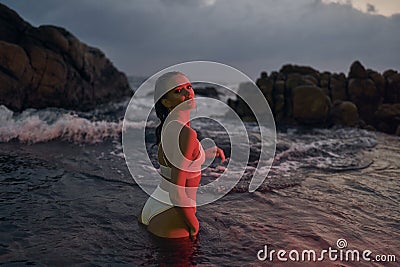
153	206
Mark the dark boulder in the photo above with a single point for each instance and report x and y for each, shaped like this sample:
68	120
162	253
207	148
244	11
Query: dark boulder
310	105
303	70
266	86
392	92
388	118
48	66
344	113
207	91
365	95
357	71
379	81
338	87
279	100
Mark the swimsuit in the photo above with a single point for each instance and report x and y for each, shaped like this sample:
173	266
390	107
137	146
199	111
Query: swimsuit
153	206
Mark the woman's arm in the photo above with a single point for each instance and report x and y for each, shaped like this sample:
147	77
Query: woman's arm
215	152
185	206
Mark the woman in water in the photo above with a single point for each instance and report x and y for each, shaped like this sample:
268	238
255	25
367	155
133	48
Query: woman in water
175	215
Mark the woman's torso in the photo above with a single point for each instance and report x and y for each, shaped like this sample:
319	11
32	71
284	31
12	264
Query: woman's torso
198	156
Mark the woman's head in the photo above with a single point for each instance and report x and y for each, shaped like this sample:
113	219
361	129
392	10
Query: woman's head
171	89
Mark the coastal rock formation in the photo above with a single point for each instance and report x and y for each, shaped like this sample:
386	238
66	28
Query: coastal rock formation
337	87
344	113
301	95
310	104
357	71
266	86
392	90
207	91
279	100
364	94
49	67
388	117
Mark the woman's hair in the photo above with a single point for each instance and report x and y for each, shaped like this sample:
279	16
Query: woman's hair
164	83
162	113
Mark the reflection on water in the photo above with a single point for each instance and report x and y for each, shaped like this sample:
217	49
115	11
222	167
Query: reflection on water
66	204
178	251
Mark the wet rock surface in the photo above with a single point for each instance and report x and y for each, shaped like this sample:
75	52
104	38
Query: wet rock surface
301	95
47	66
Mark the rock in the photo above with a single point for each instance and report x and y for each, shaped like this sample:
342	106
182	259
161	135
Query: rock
362	87
295	80
365	95
274	75
310	104
280	77
357	71
48	66
344	113
369	128
392	92
15	72
241	107
338	87
266	86
14	60
12	26
388	73
388	117
208	91
379	81
303	70
279	100
310	80
302	95
264	75
324	83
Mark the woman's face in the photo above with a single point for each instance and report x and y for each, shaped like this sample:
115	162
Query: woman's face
179	95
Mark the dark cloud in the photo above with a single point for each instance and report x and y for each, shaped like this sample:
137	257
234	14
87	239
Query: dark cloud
142	37
371	8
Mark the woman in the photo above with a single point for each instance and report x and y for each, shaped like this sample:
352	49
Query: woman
175	215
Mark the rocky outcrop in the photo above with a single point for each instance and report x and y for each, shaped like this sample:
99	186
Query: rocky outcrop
387	117
357	71
49	67
364	94
266	86
310	104
207	91
300	95
392	89
344	113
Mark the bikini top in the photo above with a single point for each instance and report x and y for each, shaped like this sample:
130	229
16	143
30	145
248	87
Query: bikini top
166	170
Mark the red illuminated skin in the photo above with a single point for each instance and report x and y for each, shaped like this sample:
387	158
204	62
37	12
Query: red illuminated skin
178	221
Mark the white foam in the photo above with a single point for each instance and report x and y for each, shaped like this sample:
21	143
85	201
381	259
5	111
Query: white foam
32	126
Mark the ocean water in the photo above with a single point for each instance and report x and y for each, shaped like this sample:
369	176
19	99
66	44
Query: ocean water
68	198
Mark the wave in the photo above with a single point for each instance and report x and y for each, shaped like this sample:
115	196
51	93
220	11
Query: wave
33	126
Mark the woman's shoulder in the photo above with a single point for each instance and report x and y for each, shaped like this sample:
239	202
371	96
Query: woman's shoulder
184	130
188	132
188	139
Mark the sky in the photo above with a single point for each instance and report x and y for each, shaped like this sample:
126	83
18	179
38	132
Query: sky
382	7
144	37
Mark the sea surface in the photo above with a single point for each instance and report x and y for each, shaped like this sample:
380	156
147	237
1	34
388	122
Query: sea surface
68	198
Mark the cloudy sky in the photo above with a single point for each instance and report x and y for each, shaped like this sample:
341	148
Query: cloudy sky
143	37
